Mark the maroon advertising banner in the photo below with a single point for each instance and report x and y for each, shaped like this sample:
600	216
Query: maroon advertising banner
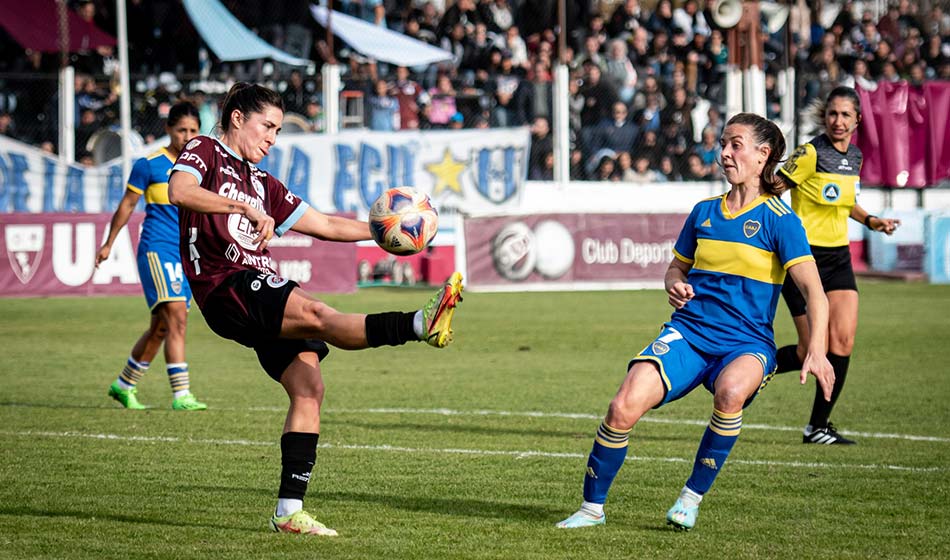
54	254
905	134
568	251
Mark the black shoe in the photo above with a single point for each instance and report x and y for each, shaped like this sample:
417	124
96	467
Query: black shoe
826	436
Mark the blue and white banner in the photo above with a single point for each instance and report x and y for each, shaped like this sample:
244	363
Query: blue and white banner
467	171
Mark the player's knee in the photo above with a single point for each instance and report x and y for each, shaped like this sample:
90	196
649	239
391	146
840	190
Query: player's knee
622	413
841	343
318	315
730	398
158	332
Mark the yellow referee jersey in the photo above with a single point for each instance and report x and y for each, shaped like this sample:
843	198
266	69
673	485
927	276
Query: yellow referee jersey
826	184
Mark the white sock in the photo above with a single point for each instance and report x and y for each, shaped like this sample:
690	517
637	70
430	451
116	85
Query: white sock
177	394
592	509
286	506
690	498
418	326
123	385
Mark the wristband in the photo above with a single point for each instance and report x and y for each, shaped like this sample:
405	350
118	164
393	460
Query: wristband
867	220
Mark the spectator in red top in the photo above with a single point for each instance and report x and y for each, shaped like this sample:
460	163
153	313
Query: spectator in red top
410	96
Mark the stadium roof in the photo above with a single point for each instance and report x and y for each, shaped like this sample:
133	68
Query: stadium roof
228	37
378	42
35	25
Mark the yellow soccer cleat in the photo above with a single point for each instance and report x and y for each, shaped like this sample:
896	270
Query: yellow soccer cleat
437	314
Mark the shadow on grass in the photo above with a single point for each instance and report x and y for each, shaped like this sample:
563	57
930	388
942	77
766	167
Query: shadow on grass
58	406
118	518
461	507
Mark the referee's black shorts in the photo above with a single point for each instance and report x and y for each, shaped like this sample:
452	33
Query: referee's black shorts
834	267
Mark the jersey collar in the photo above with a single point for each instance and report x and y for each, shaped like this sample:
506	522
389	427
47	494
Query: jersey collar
729	215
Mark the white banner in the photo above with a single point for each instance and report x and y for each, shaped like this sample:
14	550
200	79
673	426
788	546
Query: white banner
469	171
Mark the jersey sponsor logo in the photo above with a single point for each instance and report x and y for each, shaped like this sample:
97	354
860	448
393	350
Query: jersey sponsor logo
659	347
242	231
831	192
290	197
193	144
190	156
230	172
750	228
275	281
231	191
844	165
232	252
24	243
256	285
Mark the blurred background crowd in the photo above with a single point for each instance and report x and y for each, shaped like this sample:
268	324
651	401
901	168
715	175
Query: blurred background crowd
646	76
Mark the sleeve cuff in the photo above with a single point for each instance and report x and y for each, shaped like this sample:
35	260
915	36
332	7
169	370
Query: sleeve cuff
292	219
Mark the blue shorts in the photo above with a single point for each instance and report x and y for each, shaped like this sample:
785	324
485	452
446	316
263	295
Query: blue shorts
163	279
683	367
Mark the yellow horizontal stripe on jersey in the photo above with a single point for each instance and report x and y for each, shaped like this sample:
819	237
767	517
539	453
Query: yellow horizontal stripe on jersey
157	193
801	259
738	259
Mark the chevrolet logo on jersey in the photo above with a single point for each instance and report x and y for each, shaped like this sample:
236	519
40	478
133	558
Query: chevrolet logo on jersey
750	228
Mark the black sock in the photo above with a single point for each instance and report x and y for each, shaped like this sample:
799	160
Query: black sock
786	359
821	409
390	329
298	453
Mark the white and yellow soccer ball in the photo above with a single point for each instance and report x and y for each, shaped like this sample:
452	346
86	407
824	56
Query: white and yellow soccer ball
403	221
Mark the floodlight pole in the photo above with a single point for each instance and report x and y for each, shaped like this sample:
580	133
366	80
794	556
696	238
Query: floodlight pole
560	121
67	90
331	81
125	93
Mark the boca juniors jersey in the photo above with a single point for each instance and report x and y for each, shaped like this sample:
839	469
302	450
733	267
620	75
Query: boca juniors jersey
149	177
214	246
738	266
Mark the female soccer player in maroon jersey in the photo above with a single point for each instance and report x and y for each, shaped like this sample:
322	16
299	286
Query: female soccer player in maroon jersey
230	209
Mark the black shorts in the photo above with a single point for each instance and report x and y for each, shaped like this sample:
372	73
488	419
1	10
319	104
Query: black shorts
834	267
249	308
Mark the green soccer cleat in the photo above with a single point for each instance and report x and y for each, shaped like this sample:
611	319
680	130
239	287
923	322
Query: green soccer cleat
126	397
188	402
302	523
437	314
581	519
681	516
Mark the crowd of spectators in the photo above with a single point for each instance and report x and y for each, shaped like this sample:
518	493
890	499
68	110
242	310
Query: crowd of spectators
646	85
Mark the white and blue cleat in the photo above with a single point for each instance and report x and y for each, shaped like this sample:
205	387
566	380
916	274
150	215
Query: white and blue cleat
581	519
681	516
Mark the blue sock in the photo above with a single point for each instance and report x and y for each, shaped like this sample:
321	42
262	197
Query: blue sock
717	442
605	460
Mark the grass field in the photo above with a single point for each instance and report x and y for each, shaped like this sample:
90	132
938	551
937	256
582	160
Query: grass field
470	452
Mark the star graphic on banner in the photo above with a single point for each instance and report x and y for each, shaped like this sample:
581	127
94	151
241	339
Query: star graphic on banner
447	173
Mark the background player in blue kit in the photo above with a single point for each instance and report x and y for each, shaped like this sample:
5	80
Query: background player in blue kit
166	288
729	263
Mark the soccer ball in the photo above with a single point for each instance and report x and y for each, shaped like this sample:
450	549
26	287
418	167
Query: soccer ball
403	221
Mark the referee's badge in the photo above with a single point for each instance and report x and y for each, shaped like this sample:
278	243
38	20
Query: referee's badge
659	348
750	228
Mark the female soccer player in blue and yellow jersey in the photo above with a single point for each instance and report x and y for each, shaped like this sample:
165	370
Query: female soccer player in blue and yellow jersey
824	182
724	281
166	288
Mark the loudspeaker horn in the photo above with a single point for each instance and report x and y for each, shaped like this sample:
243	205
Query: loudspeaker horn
775	15
727	13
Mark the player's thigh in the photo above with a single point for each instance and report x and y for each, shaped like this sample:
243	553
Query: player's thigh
678	365
304	315
738	382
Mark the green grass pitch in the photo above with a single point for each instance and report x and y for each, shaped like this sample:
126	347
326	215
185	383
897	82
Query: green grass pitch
474	451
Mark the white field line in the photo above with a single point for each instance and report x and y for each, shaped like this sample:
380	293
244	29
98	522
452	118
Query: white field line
585	416
469	452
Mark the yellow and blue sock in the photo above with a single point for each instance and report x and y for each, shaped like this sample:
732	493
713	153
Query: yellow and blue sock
178	378
605	460
714	448
132	373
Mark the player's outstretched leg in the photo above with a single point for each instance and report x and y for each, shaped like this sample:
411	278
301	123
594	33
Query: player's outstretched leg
437	314
300	522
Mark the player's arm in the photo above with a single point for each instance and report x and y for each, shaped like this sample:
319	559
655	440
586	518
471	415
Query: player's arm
677	288
331	228
805	275
119	219
874	223
185	192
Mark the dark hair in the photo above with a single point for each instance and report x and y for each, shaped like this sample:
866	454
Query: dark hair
181	110
766	132
846	93
248	98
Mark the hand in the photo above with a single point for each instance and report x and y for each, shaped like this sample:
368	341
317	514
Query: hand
819	366
103	254
263	225
886	225
680	293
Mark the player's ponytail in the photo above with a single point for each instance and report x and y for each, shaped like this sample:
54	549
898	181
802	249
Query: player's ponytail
248	98
768	133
